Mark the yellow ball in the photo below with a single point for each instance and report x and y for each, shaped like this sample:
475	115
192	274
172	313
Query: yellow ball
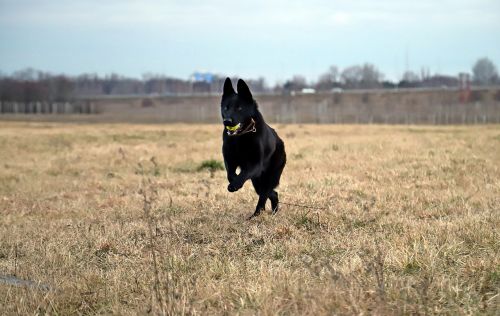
233	128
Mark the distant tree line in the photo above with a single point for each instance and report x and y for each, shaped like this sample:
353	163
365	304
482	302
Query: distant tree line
30	86
367	76
24	86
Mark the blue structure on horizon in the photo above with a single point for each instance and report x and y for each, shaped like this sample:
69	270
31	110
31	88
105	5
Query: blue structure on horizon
202	77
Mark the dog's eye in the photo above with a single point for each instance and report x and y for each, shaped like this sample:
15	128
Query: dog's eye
239	108
226	108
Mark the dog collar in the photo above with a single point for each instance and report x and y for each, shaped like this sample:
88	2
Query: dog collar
249	129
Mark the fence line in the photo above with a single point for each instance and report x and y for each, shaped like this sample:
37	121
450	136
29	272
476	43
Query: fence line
75	107
370	107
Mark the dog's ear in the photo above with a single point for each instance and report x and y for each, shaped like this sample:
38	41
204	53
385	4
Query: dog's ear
244	91
228	88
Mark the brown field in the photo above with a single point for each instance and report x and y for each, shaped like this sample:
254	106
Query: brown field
406	221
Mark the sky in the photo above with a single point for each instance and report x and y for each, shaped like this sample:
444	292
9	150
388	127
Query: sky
271	39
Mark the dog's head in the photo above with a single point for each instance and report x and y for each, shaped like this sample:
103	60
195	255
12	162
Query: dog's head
237	109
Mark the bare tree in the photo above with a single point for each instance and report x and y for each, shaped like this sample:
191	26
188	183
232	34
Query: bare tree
62	89
366	76
370	76
485	71
297	83
27	74
351	76
110	82
425	73
410	80
332	74
410	76
329	79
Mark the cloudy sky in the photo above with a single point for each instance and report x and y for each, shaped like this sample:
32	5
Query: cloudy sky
274	39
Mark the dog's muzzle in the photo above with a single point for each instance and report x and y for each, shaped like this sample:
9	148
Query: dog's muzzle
239	130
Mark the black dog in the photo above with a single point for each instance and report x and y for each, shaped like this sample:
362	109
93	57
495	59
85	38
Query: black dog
250	144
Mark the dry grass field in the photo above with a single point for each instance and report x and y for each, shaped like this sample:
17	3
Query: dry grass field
122	219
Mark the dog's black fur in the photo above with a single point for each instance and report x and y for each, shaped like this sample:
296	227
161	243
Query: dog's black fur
255	147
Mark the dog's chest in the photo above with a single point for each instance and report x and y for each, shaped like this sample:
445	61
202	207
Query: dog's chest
242	152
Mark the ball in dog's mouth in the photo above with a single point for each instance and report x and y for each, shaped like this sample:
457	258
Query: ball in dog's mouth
233	130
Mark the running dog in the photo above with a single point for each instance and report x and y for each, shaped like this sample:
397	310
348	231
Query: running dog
250	144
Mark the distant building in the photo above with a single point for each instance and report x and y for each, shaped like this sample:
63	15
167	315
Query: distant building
202	77
201	81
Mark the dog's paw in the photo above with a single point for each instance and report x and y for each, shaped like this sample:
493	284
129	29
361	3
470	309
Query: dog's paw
254	215
232	188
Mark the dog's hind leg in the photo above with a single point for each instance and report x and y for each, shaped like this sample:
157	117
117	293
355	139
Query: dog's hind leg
261	204
274	202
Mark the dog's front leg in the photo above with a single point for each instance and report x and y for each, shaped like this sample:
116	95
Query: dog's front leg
244	175
231	170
